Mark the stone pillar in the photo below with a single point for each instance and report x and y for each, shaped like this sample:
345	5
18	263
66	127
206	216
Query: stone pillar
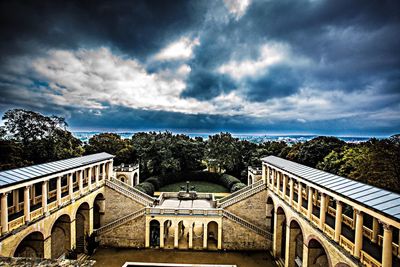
338	221
322	211
219	241
73	234
268	217
110	169
284	189
70	186
375	230
90	179
176	236
291	192
277	238
205	232
278	182
27	204
147	233
97	175
265	174
162	235
44	195
305	255
47	248
90	220
4	213
300	197
310	202
387	246
191	236
290	252
15	194
80	181
359	234
58	191
273	179
103	171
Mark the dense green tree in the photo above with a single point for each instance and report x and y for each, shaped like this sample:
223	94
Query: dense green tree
111	143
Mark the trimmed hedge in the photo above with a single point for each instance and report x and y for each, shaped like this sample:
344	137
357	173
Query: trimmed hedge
156	182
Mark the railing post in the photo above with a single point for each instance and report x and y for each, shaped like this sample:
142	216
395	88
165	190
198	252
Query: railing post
4	212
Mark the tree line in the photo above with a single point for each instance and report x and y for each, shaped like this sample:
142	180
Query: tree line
28	138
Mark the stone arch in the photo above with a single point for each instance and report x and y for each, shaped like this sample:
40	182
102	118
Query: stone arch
60	236
98	210
250	180
168	234
317	253
82	226
342	264
154	233
123	178
212	235
294	243
269	213
280	220
31	246
135	178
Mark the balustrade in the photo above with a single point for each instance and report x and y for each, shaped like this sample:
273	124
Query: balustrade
346	244
329	231
36	213
369	261
14	224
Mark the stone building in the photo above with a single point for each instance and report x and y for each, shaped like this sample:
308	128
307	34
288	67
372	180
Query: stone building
302	216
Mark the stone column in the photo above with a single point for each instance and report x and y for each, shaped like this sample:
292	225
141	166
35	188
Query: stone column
359	234
310	202
103	171
27	204
162	235
110	169
80	181
300	197
305	255
387	245
269	213
205	230
290	252
73	234
278	182
47	248
219	241
273	179
90	220
4	213
191	236
284	189
176	236
338	221
277	238
44	195
265	174
291	191
147	233
322	211
70	186
58	191
90	179
375	230
15	194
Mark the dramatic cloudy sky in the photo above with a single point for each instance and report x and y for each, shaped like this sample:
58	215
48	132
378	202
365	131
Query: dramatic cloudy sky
301	66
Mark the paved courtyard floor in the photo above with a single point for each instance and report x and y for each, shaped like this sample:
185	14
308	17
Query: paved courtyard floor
110	257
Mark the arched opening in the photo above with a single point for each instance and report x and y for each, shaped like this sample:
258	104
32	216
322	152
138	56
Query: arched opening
294	254
198	235
269	216
250	180
60	236
182	240
135	179
154	233
212	235
168	234
32	246
98	211
316	254
81	226
122	178
280	234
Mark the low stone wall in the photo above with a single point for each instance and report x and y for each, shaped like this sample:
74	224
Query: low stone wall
237	237
18	262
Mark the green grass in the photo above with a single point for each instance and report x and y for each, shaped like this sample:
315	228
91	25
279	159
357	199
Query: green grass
203	187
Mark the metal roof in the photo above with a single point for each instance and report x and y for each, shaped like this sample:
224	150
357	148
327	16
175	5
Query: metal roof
378	199
24	174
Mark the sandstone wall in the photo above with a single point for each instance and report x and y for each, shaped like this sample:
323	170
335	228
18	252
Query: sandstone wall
252	209
237	237
117	205
131	234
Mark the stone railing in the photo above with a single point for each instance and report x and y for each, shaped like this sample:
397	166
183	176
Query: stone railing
241	194
14	224
247	224
182	211
346	244
36	213
130	191
329	231
120	221
348	221
369	261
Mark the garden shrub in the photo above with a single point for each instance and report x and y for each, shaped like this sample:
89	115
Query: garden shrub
228	181
146	187
237	187
155	181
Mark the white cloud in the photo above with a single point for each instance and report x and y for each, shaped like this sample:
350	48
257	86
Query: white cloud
270	54
181	49
237	7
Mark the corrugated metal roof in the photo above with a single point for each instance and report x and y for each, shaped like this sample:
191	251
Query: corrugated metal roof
19	175
378	199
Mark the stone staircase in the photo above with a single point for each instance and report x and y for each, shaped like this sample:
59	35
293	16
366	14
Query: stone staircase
130	192
120	221
241	194
247	224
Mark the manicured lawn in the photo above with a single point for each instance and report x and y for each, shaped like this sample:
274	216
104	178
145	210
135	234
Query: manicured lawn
204	187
